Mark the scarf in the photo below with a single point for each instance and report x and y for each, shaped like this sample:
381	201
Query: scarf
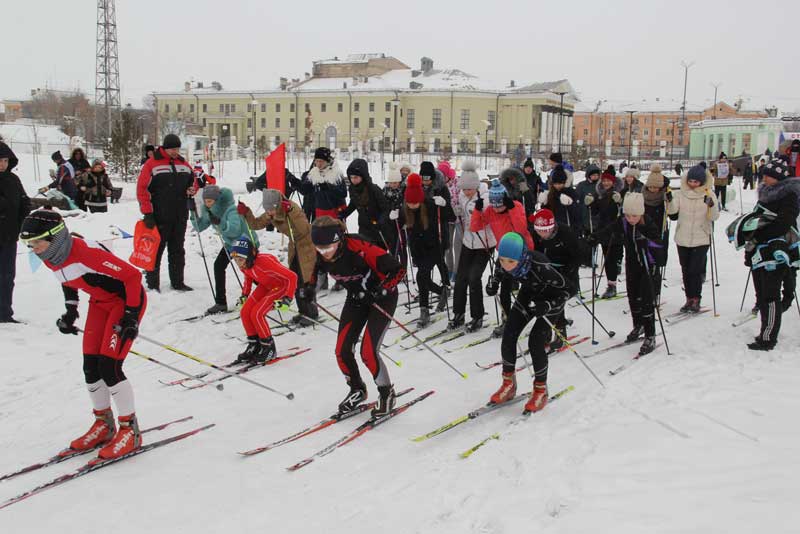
523	267
59	249
653	199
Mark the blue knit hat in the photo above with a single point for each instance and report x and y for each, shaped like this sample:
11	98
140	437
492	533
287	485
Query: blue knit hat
496	193
511	246
697	173
243	247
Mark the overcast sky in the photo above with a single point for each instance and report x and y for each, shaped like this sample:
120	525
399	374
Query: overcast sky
621	50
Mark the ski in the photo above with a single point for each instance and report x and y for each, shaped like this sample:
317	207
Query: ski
359	431
414	331
574	340
624	366
610	348
236	363
467	453
744	319
435	335
325	423
66	454
195	318
186	379
618	296
487	408
247	368
683	317
226	320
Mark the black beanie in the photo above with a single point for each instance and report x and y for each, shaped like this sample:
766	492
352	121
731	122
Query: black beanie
559	175
149	148
777	169
323	152
56	156
359	167
171	141
528	163
556	157
427	170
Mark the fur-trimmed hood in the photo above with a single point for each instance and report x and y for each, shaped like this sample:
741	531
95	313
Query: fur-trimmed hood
773	193
330	175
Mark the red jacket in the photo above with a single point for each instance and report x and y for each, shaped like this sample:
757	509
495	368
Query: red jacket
96	271
271	273
161	187
512	220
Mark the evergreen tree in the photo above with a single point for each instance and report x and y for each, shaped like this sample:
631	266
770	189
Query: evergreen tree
124	152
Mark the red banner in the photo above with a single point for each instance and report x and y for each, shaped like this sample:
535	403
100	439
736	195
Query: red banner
145	246
276	169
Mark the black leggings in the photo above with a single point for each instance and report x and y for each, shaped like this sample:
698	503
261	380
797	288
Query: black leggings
537	339
640	298
425	282
220	265
693	267
96	368
356	315
612	254
471	265
722	192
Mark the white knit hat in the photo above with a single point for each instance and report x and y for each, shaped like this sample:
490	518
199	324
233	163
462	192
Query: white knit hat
469	176
633	204
393	176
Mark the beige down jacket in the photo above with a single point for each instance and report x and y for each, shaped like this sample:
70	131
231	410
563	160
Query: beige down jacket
694	216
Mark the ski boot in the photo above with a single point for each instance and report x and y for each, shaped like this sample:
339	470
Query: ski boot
266	350
695	305
357	395
635	334
385	403
475	324
442	304
558	340
424	318
538	398
610	292
249	352
100	433
456	322
301	321
126	440
688	305
648	346
219	307
507	391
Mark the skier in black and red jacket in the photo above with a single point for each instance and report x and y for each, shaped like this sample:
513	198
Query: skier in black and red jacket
116	305
370	275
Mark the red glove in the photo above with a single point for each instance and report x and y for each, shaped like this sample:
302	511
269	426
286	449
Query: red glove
531	218
242	208
286	205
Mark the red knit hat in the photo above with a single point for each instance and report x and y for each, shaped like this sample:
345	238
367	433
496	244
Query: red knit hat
608	176
543	220
414	193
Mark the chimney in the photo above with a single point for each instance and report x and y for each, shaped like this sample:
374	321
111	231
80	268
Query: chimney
512	84
426	65
284	83
307	75
415	85
187	86
415	73
344	85
199	85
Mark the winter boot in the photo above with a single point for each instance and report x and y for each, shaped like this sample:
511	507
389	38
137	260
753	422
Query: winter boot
760	344
219	307
687	305
126	440
249	352
498	330
424	318
266	350
182	287
648	346
385	403
100	433
538	398
456	322
695	305
610	292
475	324
635	334
357	395
442	304
507	391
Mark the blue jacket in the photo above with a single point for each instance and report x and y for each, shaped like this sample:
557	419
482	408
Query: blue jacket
231	225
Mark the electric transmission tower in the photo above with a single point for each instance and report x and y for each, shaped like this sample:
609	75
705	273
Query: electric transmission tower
106	91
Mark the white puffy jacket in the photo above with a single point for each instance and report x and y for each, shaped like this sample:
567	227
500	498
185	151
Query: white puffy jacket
694	216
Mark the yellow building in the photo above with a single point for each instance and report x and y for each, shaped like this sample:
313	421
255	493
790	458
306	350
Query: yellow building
375	102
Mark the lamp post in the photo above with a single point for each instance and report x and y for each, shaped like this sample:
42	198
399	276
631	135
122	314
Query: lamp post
672	144
382	144
560	114
630	135
486	151
395	105
683	107
254	103
714	109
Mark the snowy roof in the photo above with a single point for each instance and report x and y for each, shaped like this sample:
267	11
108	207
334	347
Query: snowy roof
644	105
351	58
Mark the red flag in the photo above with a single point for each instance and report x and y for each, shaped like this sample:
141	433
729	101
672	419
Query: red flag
276	169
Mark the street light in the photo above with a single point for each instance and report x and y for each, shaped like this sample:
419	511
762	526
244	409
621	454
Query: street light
395	103
382	144
488	125
683	107
630	135
560	114
714	109
254	103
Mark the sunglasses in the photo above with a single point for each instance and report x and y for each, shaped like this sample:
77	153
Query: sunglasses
29	241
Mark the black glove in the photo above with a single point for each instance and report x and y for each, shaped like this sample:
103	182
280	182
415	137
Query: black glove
66	323
669	196
479	204
213	218
378	292
149	220
708	201
492	286
507	202
129	325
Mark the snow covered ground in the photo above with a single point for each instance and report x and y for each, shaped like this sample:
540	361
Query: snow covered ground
704	440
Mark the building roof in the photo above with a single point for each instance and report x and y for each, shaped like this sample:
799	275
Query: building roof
652	105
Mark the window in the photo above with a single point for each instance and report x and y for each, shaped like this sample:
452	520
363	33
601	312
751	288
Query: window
490	145
204	122
658	132
355	123
249	123
277	108
166	108
180	108
387	106
277	122
277	140
436	123
533	122
222	108
492	118
233	108
249	108
323	107
372	107
191	108
264	108
437	144
372	122
339	107
205	108
585	132
387	122
263	122
291	108
356	107
465	119
410	117
308	108
646	132
463	146
291	122
669	131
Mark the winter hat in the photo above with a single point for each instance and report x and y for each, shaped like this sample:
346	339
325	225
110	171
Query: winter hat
633	204
48	225
557	158
414	193
722	155
323	152
777	169
270	199
496	193
427	171
244	247
445	168
697	173
393	176
559	175
359	167
98	161
611	170
511	246
591	170
405	165
795	146
633	171
56	156
528	163
212	192
149	148
655	178
543	220
6	152
469	176
608	176
171	141
326	231
511	173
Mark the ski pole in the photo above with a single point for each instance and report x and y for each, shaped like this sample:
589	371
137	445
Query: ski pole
205	263
422	341
796	302
569	345
399	257
230	261
594	300
713	281
321	307
220	387
714	262
445	283
610	333
746	284
179	352
491	257
652	294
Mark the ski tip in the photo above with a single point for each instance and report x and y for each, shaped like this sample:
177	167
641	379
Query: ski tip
290	396
612	333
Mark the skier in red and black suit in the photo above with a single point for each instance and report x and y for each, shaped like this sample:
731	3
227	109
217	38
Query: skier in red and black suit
164	189
116	305
370	275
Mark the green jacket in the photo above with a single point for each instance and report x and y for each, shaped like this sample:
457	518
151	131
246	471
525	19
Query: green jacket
231	225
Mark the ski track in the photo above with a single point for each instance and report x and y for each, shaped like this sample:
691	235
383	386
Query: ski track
702	441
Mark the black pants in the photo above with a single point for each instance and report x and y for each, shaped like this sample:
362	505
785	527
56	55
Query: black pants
425	283
220	265
471	265
506	287
693	267
444	272
306	305
173	235
8	271
537	339
768	295
355	316
612	254
748	182
640	297
721	192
